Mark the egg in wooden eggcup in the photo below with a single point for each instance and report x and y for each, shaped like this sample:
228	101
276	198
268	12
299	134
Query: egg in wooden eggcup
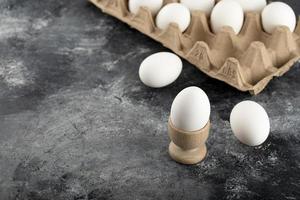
189	126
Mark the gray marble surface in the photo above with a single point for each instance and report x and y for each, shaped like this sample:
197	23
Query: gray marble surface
77	123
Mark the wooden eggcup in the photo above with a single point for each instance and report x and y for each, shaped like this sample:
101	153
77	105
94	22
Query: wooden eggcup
187	147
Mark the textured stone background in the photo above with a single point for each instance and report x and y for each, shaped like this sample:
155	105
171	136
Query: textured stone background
76	122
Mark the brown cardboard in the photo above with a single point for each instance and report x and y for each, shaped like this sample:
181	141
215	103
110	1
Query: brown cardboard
247	61
188	147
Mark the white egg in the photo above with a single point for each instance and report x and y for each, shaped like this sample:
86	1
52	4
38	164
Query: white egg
227	13
278	14
190	109
250	123
173	13
153	5
202	5
160	69
252	5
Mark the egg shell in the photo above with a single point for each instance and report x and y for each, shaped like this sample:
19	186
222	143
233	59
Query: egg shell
153	5
160	69
250	123
227	13
252	5
202	5
173	13
278	14
190	109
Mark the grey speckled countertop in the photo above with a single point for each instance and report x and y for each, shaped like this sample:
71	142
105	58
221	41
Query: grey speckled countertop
76	122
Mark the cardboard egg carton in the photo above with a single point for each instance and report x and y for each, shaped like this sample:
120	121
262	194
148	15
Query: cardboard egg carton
247	61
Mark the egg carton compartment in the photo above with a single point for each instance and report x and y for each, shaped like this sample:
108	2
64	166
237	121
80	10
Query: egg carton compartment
247	61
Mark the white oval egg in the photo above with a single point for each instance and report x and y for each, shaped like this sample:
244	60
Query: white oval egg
250	123
252	5
227	13
190	109
173	13
160	69
153	5
202	5
278	14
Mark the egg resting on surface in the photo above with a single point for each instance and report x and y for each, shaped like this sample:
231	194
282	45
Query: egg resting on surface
250	123
252	5
202	5
153	5
227	13
160	69
190	110
173	13
278	14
